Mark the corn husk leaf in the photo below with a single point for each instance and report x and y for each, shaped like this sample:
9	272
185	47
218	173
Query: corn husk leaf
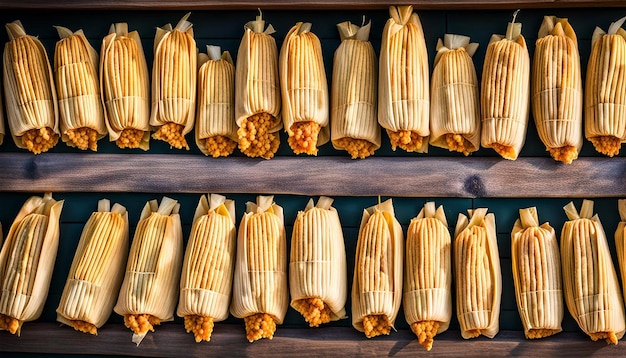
354	92
620	241
403	86
536	275
427	298
455	101
125	86
477	274
317	265
97	269
152	274
31	99
27	261
377	283
591	289
216	101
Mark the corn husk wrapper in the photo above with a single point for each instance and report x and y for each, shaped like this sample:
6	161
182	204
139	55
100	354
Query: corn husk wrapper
455	100
353	113
31	98
174	83
536	275
605	95
557	94
505	92
317	265
27	261
377	283
207	275
216	129
257	96
125	86
97	270
620	241
427	297
403	85
151	280
78	90
477	274
591	289
304	90
260	280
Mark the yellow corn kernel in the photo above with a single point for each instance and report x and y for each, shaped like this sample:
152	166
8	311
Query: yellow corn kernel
408	140
141	323
129	138
255	140
202	327
259	325
9	323
39	140
314	311
220	146
83	138
376	325
357	148
606	144
172	133
304	138
84	327
458	143
425	332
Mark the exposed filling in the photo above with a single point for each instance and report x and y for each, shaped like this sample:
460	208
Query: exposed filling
220	146
376	325
303	139
40	140
83	138
607	144
255	140
408	140
259	325
357	148
202	327
425	332
129	138
314	311
172	133
458	143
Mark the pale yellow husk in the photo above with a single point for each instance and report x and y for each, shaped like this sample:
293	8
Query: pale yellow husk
605	90
536	275
97	270
590	284
125	86
78	90
427	298
151	280
403	85
31	98
317	264
455	101
377	282
174	83
620	241
556	87
257	91
505	93
477	274
207	274
260	280
27	261
216	129
304	90
353	111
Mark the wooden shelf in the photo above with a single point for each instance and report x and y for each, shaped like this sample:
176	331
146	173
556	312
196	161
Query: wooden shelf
170	339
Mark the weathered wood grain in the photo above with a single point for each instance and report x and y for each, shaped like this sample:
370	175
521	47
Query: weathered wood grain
388	176
296	5
170	340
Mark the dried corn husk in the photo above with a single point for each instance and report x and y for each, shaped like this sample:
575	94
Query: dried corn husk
31	98
27	260
620	241
377	283
477	274
317	265
216	129
207	276
97	270
174	83
536	275
354	88
427	297
605	95
403	89
505	92
78	90
260	293
557	93
125	85
150	288
455	103
590	284
1	124
304	90
257	96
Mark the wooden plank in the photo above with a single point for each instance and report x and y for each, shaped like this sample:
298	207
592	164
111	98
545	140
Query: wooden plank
470	177
298	5
170	340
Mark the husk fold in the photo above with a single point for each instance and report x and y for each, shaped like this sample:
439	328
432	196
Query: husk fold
353	111
620	241
536	275
125	86
97	270
27	261
427	298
